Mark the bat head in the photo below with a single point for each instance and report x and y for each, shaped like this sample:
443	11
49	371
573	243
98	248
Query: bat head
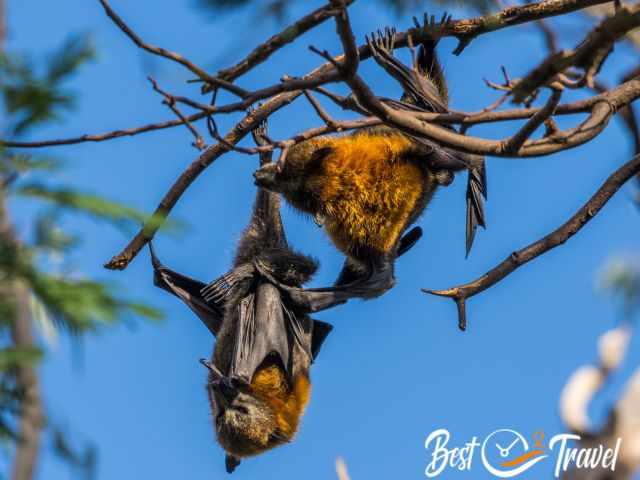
251	419
300	176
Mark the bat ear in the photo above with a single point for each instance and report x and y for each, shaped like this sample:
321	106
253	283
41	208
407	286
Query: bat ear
231	462
319	334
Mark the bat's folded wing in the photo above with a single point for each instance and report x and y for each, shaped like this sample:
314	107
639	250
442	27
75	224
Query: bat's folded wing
319	334
188	290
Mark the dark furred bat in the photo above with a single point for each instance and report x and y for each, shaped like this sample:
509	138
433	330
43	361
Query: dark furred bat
258	382
367	188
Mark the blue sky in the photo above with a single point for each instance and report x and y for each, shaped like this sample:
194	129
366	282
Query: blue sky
395	368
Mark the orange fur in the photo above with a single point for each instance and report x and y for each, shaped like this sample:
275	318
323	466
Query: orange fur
270	385
369	190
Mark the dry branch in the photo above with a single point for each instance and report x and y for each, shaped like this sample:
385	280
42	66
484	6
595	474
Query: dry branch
333	70
463	292
103	136
326	73
589	54
252	120
263	51
202	74
601	111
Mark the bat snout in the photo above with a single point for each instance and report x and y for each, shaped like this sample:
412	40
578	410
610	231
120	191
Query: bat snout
265	176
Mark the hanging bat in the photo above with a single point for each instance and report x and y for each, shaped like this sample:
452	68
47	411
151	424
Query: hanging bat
368	187
258	381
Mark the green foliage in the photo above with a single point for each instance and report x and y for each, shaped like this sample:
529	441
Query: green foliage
96	206
77	50
11	357
22	163
32	98
83	305
10	399
50	237
33	94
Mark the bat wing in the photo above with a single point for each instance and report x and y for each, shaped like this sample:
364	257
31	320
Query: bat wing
441	158
267	326
476	195
320	332
188	290
419	90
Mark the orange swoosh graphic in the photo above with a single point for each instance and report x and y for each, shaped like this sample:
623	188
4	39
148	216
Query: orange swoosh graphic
522	458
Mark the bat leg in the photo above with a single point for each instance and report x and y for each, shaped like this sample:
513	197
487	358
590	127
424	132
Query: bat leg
353	271
364	282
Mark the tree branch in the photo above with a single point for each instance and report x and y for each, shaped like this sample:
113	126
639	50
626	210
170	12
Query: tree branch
103	136
120	261
170	101
601	112
589	210
217	82
288	35
516	142
288	90
589	54
31	411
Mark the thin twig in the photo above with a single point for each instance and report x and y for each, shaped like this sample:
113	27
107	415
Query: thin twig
286	36
517	140
322	113
218	82
170	101
103	136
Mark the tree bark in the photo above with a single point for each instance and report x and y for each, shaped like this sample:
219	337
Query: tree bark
31	411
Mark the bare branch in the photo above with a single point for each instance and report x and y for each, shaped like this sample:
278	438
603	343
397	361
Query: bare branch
104	136
349	65
322	113
288	35
325	73
170	101
120	261
600	112
288	90
218	82
589	210
515	143
589	54
467	30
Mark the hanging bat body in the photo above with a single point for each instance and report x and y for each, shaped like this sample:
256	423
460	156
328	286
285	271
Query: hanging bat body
367	188
258	383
